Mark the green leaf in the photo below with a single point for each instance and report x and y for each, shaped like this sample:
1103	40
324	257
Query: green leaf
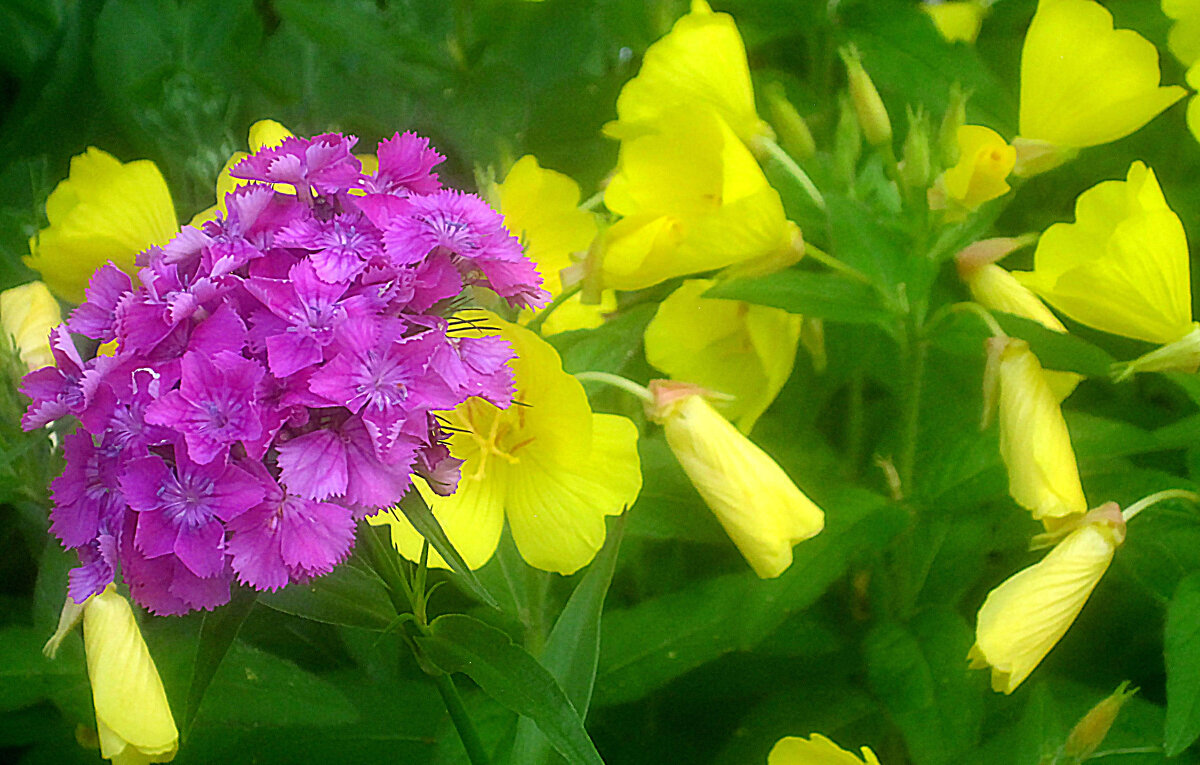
508	674
26	676
421	517
216	636
349	595
861	240
1181	648
656	641
920	673
824	295
964	335
573	649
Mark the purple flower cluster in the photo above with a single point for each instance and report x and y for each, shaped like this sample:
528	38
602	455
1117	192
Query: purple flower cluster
276	374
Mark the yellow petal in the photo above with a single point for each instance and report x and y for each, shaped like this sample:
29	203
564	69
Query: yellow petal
1034	442
956	21
1025	616
760	508
815	750
701	61
132	714
1184	39
541	208
104	210
1122	267
265	134
984	161
741	350
27	314
556	508
1084	83
573	313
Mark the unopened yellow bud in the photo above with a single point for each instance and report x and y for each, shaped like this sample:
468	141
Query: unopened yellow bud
133	718
872	114
1034	442
1090	731
27	314
794	135
984	161
1023	618
758	505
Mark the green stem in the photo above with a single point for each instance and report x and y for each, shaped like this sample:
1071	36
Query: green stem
1157	497
590	203
629	386
462	721
535	324
832	263
915	351
776	152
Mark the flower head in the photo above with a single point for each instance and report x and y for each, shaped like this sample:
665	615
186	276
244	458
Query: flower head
737	349
1034	442
104	211
1084	83
549	465
1023	618
816	750
761	509
27	314
274	373
984	161
692	199
1122	266
701	61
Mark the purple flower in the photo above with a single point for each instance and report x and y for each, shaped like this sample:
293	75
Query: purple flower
65	388
86	493
95	317
341	246
97	568
464	225
180	510
323	164
216	404
406	163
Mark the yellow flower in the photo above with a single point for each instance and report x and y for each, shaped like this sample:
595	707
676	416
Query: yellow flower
1122	266
547	464
1083	83
693	199
263	134
1023	618
956	20
701	61
1184	37
815	750
741	350
103	211
760	508
984	161
133	718
541	208
1034	441
27	314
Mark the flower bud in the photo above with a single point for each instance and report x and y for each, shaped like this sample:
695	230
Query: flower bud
27	314
758	505
847	141
984	161
872	114
1090	731
794	135
954	118
917	168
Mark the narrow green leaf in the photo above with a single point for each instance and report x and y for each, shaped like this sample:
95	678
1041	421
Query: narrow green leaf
421	517
920	673
656	641
573	650
217	634
508	674
1058	350
350	596
810	293
1182	651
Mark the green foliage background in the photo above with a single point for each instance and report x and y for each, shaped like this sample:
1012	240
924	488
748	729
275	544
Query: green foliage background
699	660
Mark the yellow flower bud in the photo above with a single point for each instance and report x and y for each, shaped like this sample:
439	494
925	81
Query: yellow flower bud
1023	618
1034	442
104	210
133	718
1084	83
1122	266
1090	731
816	750
27	314
956	20
741	350
984	161
760	508
794	135
872	114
